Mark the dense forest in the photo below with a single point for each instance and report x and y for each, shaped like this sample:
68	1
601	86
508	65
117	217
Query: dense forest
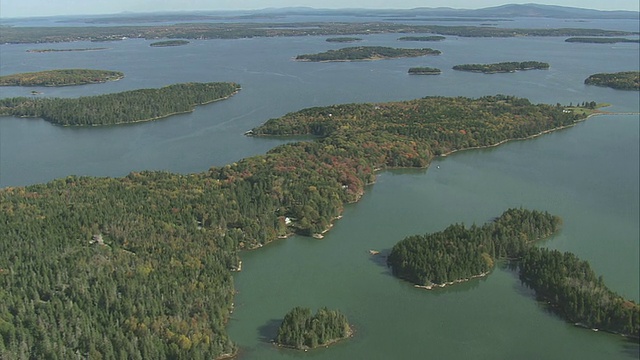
626	80
119	108
572	290
366	53
224	30
303	330
62	77
502	67
343	39
458	253
601	40
422	38
139	267
169	43
424	71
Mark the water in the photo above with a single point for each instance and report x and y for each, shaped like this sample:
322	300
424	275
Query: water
587	174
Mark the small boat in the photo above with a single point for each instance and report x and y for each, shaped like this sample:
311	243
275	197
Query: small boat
374	252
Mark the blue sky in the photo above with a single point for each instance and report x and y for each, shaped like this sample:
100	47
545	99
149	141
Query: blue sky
27	8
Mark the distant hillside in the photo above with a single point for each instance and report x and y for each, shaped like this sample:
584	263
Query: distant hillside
550	11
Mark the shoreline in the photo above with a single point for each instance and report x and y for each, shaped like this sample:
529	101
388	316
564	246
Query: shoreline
443	285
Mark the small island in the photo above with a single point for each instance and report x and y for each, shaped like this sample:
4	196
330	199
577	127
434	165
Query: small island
64	50
422	38
302	330
169	43
64	77
424	71
601	40
625	80
119	108
343	39
366	53
503	67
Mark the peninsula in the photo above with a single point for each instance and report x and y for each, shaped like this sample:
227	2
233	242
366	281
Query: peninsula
303	330
503	67
343	39
366	53
65	50
422	38
625	80
169	43
144	250
64	77
601	40
119	108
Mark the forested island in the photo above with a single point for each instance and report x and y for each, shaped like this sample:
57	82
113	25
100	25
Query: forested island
366	53
424	71
64	50
119	108
18	34
625	80
64	77
422	38
567	284
601	40
141	266
343	39
303	330
503	67
169	43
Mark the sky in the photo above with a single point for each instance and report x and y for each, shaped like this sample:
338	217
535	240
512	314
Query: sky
32	8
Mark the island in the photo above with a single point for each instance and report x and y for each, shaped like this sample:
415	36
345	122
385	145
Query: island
303	330
366	53
503	67
566	284
625	80
343	39
169	43
424	71
601	40
119	108
144	263
63	77
65	50
422	38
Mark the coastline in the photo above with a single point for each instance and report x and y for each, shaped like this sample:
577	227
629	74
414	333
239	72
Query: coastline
435	286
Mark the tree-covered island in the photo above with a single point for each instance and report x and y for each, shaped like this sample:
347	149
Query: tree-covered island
503	67
601	40
366	53
424	71
64	77
422	38
343	39
303	330
625	80
169	43
119	108
141	266
65	50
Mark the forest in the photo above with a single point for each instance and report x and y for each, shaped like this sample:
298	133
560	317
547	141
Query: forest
343	39
422	38
302	330
366	53
424	71
601	40
625	80
169	43
503	67
119	108
64	77
140	267
223	30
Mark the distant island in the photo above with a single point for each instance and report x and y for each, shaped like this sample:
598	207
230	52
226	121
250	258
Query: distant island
625	80
422	38
64	77
343	39
424	71
567	285
601	40
64	50
119	108
169	43
303	330
503	67
366	53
